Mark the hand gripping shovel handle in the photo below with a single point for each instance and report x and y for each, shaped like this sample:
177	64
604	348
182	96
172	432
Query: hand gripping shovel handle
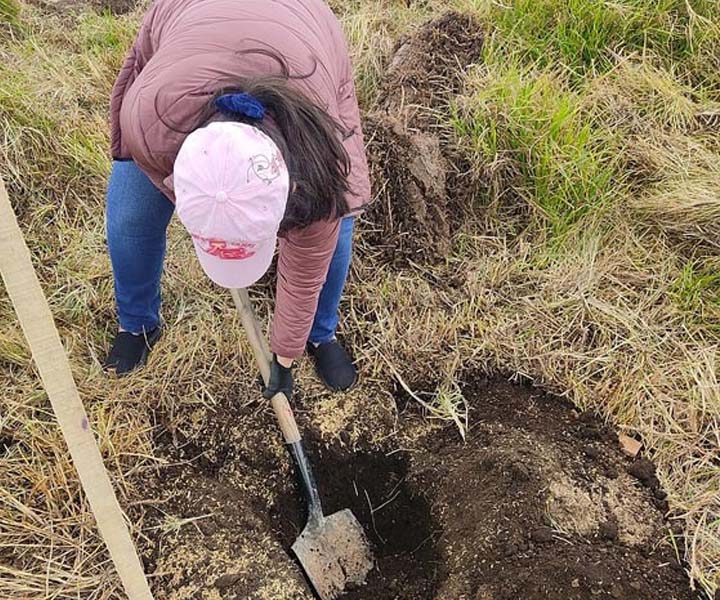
279	402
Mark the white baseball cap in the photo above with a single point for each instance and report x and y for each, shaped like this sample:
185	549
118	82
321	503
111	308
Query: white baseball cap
231	187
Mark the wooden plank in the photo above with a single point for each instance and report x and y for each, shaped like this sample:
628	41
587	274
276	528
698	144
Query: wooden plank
38	325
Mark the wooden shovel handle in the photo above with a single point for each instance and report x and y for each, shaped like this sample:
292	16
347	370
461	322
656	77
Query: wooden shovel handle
279	402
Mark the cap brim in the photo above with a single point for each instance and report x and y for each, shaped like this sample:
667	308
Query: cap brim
233	274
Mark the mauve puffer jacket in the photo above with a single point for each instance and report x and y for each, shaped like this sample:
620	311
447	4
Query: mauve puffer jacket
187	48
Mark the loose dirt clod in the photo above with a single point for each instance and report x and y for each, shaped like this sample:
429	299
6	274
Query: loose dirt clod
644	470
411	213
428	67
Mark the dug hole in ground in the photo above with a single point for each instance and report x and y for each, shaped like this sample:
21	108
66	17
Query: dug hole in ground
537	501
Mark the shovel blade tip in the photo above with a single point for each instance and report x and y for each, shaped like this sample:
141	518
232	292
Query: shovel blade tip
335	554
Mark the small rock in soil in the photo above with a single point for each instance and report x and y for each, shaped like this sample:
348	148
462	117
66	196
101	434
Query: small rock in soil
630	446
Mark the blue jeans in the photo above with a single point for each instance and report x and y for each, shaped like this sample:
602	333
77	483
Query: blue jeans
137	217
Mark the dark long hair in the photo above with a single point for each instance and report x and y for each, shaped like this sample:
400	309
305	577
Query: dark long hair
308	137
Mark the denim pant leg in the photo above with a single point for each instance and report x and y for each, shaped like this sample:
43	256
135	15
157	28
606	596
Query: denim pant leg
137	216
326	316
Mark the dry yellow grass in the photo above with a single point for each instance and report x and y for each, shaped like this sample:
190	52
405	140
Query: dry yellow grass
622	316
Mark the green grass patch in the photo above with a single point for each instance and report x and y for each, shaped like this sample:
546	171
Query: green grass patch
53	106
100	34
9	13
585	35
696	292
536	123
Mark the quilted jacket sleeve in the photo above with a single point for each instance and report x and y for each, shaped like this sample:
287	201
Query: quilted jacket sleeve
135	60
305	256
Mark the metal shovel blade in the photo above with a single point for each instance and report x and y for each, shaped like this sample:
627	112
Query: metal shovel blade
334	553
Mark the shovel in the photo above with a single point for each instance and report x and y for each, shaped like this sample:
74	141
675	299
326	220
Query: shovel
333	550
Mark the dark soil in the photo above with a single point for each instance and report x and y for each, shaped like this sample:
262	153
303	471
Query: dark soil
428	67
410	212
407	141
397	519
539	503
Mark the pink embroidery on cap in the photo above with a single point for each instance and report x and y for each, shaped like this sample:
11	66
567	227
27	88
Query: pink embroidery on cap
224	249
264	168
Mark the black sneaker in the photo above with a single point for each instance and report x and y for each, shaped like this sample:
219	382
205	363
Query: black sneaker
130	352
333	365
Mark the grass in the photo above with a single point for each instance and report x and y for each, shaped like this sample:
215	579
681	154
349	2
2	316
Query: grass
589	266
585	36
530	121
697	293
9	15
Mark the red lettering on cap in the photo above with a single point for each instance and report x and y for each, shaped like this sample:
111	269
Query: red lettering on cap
225	249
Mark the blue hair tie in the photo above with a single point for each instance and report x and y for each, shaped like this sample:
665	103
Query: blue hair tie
240	104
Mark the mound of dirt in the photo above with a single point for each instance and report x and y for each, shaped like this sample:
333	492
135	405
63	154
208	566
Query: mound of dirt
408	158
539	503
411	211
428	68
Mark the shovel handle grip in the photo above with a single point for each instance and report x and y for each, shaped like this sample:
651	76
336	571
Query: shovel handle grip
285	418
280	404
